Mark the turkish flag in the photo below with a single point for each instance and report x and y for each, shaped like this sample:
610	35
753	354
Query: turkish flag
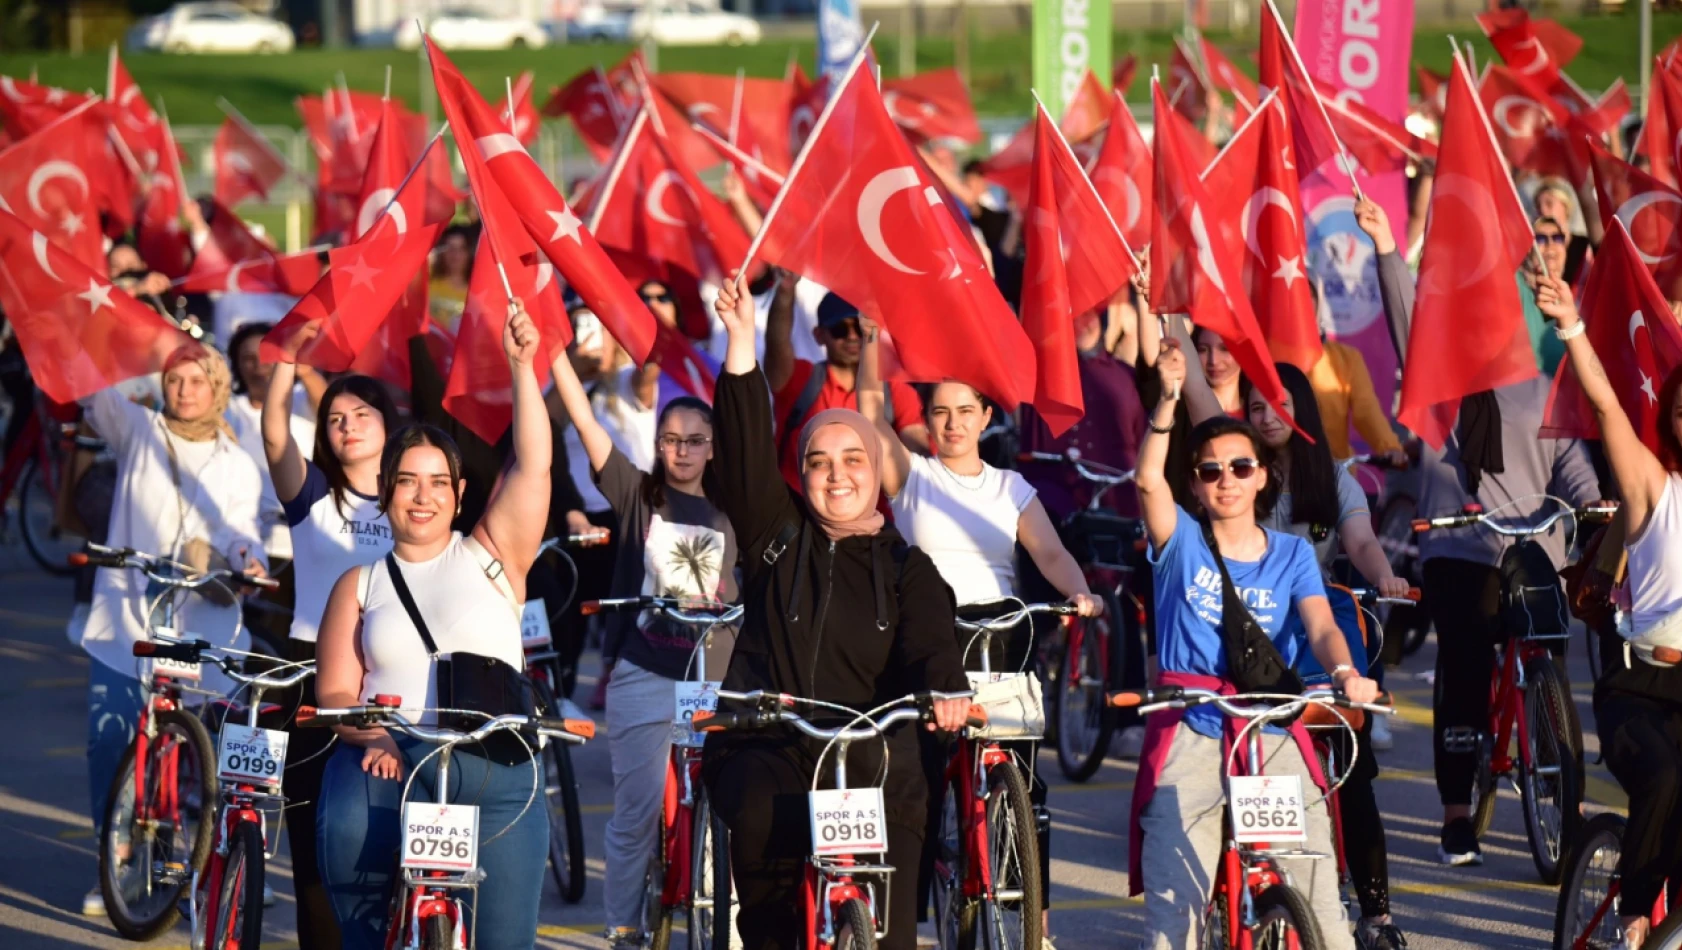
806	102
1476	238
860	217
750	113
159	237
132	119
1377	144
1253	180
1228	78
1651	210
520	115
45	180
1636	339
1197	145
1191	271
1281	70
486	150
1121	77
340	130
78	333
1084	117
231	241
599	102
1122	174
1535	49
290	274
1077	260
247	166
27	107
1433	92
1659	134
932	105
1187	92
1529	125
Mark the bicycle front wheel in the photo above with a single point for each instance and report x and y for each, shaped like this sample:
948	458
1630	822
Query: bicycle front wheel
954	912
438	933
1553	795
566	821
855	928
656	916
239	910
1285	921
1587	888
1011	913
157	836
1085	721
38	523
1666	936
709	881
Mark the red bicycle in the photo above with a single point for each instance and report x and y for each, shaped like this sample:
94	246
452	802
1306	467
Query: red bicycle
440	849
844	890
1585	918
690	869
1529	701
34	470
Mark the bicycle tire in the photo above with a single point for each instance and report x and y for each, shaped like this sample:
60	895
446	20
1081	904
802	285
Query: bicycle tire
566	819
242	893
437	933
1666	936
1011	831
1084	730
709	879
1592	869
656	916
50	553
954	913
188	737
1551	808
1281	912
1215	935
855	928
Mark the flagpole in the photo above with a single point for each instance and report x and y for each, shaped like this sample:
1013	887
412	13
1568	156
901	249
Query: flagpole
806	148
613	105
174	155
598	204
251	130
649	105
759	167
387	94
350	111
419	162
1353	117
508	85
1089	186
1489	133
736	105
111	76
1302	70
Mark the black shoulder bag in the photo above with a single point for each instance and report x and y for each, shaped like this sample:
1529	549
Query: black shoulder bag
470	681
1253	662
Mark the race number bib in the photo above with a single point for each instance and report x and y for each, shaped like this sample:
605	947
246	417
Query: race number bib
1267	808
440	837
255	756
534	625
175	669
692	698
848	821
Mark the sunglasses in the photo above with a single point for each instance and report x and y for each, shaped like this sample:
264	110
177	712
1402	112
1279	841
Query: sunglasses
1210	472
845	329
1543	240
656	298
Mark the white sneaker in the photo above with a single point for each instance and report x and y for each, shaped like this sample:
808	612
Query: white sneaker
268	896
1131	742
1382	740
93	905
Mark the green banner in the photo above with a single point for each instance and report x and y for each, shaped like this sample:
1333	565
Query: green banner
1070	37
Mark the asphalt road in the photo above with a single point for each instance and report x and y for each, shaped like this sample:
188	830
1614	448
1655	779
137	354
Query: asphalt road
48	858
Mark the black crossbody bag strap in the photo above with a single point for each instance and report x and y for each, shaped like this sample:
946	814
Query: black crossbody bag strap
1253	662
408	599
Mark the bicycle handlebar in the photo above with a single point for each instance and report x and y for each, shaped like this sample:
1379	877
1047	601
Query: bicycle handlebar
1474	514
1368	597
153	566
773	708
1009	620
1178	697
693	612
192	651
1095	472
390	716
596	539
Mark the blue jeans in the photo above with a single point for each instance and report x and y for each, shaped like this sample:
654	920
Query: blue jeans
359	834
114	704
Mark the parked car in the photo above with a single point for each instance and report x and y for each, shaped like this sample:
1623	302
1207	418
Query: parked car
215	26
597	24
466	28
679	23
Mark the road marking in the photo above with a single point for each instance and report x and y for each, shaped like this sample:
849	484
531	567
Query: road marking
57	682
31	619
66	751
75	834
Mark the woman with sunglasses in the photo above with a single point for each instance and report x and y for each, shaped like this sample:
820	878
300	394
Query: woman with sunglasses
1322	503
1176	836
673	542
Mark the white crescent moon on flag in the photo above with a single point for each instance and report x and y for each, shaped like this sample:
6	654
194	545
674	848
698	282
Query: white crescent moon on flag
1205	249
377	201
699	110
876	194
1130	194
1634	206
1455	187
11	90
1253	210
39	243
654	205
890	101
56	168
1635	320
1507	104
233	276
800	123
545	273
499	143
1538	62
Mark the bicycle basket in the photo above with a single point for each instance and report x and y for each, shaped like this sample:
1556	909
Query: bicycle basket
1014	702
1103	539
1533	603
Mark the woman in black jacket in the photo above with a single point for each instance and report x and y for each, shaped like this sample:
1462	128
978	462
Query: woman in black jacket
839	609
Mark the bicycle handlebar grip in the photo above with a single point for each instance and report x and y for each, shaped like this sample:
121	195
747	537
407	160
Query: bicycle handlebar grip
247	580
582	728
592	607
183	652
1669	655
1144	697
86	559
977	718
704	721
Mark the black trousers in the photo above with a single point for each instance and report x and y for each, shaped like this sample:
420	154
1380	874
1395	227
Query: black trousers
760	792
306	761
1641	742
1362	824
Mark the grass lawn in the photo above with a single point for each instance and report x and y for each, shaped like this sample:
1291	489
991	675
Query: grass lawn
263	87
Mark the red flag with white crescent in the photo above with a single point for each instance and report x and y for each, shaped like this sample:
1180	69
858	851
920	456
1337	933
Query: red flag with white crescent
1122	174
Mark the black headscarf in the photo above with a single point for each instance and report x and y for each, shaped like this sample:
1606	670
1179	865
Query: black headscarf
1479	434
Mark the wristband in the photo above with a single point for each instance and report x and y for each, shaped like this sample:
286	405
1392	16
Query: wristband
1575	330
1340	668
1167	430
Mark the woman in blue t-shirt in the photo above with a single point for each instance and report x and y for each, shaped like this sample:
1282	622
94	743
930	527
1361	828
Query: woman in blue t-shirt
1278	579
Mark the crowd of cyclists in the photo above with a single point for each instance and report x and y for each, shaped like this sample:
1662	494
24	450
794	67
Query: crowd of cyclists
857	520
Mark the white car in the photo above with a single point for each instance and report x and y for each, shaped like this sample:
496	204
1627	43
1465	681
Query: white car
693	24
217	27
471	29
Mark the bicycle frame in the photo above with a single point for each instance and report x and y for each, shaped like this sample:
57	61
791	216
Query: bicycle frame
1656	918
1506	706
1244	872
828	882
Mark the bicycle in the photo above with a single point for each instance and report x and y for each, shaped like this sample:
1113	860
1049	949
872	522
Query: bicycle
439	856
1088	661
1252	903
1529	701
1585	917
841	912
159	820
34	468
226	910
545	673
690	867
987	860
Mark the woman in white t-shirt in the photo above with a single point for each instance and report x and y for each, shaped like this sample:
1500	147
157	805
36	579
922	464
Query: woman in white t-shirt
968	517
329	502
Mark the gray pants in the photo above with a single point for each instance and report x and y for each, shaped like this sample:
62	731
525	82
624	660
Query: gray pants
1183	839
639	741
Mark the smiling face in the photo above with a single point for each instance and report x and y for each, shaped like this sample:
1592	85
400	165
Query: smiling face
842	341
355	430
1228	496
424	496
188	394
840	484
957	417
1274	430
685	445
1218	365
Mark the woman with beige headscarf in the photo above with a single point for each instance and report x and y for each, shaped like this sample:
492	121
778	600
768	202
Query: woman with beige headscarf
185	490
837	608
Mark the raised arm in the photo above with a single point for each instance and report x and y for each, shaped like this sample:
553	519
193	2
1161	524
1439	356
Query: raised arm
1156	497
286	461
896	459
1640	475
1039	537
779	332
1395	283
512	526
598	445
750	487
1201	401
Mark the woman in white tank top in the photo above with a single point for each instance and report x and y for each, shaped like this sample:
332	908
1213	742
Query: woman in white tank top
1638	700
467	591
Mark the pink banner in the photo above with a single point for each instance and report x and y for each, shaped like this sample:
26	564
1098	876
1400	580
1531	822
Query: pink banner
1361	48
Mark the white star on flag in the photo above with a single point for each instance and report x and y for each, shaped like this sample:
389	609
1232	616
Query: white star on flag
1290	269
72	223
566	223
97	295
361	275
55	95
1647	387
